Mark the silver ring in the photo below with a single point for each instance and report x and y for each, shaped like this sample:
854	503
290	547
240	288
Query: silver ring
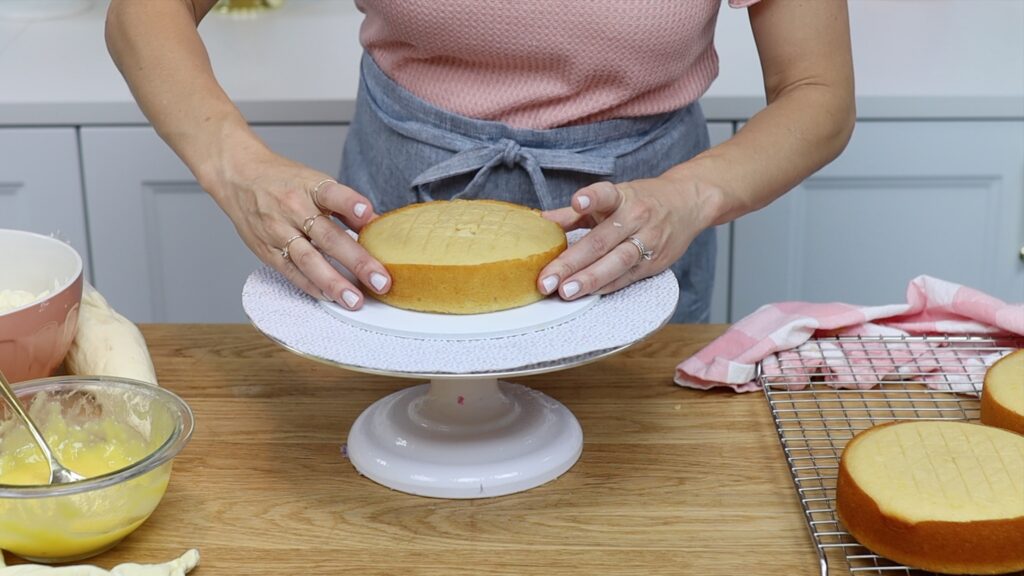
315	195
644	252
307	224
287	245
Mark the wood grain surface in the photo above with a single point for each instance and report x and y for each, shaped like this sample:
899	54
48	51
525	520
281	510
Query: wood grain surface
671	481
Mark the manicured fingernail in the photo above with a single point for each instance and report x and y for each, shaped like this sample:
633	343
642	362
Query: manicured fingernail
583	201
359	210
378	281
569	290
350	298
549	283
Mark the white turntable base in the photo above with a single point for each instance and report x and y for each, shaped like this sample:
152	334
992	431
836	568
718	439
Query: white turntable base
465	439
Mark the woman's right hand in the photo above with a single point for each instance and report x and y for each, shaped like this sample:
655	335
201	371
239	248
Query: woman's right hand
282	209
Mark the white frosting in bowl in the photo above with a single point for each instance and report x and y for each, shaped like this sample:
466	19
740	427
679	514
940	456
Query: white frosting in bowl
11	299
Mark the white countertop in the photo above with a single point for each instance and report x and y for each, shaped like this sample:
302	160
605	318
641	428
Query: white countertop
299	64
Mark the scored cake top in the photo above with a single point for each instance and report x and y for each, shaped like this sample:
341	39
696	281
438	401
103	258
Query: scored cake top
1005	381
460	232
934	470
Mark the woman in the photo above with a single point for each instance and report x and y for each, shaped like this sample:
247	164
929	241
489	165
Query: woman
584	109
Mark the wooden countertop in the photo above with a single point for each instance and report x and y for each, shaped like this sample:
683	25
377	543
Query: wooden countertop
671	481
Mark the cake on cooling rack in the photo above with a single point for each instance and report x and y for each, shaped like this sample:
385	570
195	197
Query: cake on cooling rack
945	496
1002	399
463	256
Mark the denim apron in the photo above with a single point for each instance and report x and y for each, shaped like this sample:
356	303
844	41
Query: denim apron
401	150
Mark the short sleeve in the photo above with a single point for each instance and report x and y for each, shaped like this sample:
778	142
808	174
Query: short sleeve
742	3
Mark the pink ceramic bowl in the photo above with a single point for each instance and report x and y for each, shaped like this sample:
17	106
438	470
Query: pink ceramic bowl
34	338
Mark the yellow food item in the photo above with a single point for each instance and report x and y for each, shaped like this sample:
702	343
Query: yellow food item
107	343
1002	399
463	256
944	496
75	525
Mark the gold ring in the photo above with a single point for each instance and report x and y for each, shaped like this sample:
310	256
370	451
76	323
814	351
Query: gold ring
315	195
645	254
307	224
285	251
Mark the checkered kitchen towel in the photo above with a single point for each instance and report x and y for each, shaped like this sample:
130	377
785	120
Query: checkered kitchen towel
933	307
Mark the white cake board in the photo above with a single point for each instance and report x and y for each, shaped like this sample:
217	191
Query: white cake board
376	316
465	434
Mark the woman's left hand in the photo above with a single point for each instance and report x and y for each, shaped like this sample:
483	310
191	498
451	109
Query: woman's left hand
664	214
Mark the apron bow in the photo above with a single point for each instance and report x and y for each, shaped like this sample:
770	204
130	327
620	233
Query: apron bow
475	155
483	157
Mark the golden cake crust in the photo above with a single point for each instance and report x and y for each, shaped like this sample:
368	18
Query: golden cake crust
499	250
991	546
1004	379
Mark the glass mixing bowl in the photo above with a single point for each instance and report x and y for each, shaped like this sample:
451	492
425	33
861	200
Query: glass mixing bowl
69	522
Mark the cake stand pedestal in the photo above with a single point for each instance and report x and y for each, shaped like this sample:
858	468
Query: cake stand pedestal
467	433
465	438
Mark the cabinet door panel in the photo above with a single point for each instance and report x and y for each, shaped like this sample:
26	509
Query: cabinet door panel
163	250
906	198
41	184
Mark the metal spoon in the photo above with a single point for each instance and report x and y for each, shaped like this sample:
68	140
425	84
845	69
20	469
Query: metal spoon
58	473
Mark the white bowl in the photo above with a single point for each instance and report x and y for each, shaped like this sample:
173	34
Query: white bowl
35	337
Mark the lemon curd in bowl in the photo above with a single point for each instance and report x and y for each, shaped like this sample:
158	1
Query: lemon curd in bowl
121	434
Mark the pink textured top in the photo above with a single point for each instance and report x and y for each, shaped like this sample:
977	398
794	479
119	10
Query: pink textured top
545	63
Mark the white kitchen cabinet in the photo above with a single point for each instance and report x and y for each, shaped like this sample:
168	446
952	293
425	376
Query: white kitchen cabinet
720	132
41	186
943	198
163	251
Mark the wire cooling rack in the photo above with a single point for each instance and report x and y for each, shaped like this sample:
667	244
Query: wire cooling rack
817	409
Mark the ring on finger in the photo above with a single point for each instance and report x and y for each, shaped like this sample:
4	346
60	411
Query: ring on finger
645	254
307	224
315	194
285	252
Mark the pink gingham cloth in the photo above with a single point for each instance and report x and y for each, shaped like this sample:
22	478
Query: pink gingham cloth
779	332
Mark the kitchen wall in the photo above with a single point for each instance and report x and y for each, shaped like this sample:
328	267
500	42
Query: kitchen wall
932	182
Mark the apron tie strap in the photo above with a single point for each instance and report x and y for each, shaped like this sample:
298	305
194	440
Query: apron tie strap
510	153
484	157
475	155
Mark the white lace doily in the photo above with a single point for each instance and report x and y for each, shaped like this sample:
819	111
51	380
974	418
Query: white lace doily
299	323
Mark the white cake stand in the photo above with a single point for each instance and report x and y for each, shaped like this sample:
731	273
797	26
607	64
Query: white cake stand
467	433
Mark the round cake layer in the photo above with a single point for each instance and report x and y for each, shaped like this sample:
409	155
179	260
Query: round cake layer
944	496
1002	399
463	256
